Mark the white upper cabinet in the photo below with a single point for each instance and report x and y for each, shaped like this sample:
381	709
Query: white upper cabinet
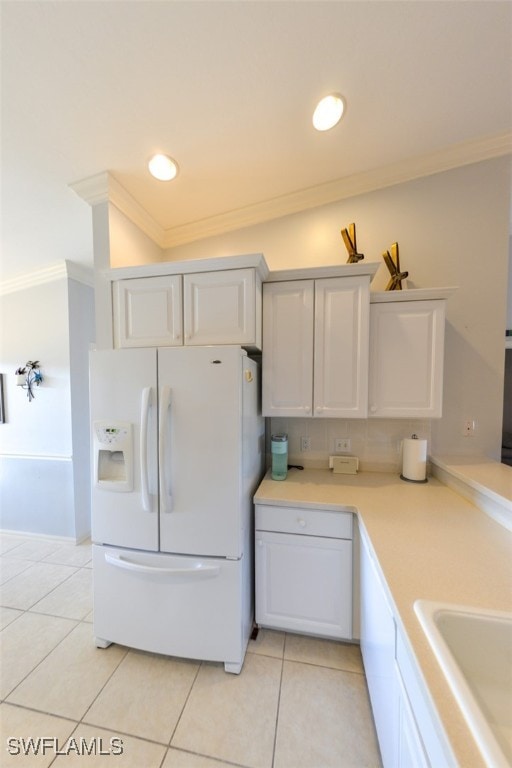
198	306
315	347
220	308
288	327
406	357
340	381
148	312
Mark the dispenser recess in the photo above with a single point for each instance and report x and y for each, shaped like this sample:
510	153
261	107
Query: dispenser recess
113	455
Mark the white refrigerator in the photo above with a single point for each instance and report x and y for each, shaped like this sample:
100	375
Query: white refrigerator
177	454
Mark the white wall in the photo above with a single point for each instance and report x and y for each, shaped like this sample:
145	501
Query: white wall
81	334
128	244
453	230
34	327
42	440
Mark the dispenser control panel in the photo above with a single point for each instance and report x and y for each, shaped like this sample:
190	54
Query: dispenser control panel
113	455
111	435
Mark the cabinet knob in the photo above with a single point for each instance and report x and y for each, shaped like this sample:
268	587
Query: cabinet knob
318	408
307	409
373	408
301	522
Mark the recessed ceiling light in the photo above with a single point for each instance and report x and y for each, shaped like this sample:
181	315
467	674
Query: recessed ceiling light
328	112
163	167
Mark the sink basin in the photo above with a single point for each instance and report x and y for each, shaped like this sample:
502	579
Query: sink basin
474	650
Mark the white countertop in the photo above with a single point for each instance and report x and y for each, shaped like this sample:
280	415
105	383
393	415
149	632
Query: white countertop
485	482
431	543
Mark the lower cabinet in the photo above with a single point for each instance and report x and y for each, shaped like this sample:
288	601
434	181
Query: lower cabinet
410	749
304	570
408	729
378	637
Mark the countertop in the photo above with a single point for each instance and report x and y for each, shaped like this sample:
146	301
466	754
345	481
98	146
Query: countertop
486	483
487	476
431	543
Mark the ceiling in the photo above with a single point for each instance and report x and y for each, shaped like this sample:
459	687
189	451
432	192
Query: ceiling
228	89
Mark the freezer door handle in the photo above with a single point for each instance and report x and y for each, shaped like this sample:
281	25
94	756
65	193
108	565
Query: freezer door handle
144	425
196	571
164	456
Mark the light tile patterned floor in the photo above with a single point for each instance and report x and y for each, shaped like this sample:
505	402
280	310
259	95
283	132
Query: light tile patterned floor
299	702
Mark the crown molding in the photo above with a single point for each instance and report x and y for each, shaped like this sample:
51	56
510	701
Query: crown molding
350	186
81	274
135	212
48	274
104	187
93	189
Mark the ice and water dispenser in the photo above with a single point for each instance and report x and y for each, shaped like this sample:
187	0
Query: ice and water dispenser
113	455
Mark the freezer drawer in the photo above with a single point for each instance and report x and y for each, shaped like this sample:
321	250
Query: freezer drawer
304	584
171	604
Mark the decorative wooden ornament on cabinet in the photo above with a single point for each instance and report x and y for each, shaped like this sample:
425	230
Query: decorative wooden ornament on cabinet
393	264
349	238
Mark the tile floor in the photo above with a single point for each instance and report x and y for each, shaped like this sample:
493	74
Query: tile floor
299	702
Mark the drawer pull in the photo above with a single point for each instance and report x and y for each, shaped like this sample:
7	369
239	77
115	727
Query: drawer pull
301	522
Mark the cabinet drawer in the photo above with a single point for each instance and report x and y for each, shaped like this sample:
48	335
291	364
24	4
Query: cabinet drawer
310	522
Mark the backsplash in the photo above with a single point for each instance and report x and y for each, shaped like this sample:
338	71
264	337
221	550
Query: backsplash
376	442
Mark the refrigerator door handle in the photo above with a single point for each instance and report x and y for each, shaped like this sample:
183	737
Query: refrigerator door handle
144	425
198	570
163	454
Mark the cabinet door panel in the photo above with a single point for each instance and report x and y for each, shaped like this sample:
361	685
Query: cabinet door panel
304	583
378	651
219	307
411	752
288	348
148	312
341	348
406	359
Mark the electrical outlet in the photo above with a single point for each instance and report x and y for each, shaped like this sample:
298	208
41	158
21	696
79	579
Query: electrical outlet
342	444
469	427
305	444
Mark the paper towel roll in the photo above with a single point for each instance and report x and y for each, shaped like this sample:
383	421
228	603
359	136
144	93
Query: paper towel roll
414	460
